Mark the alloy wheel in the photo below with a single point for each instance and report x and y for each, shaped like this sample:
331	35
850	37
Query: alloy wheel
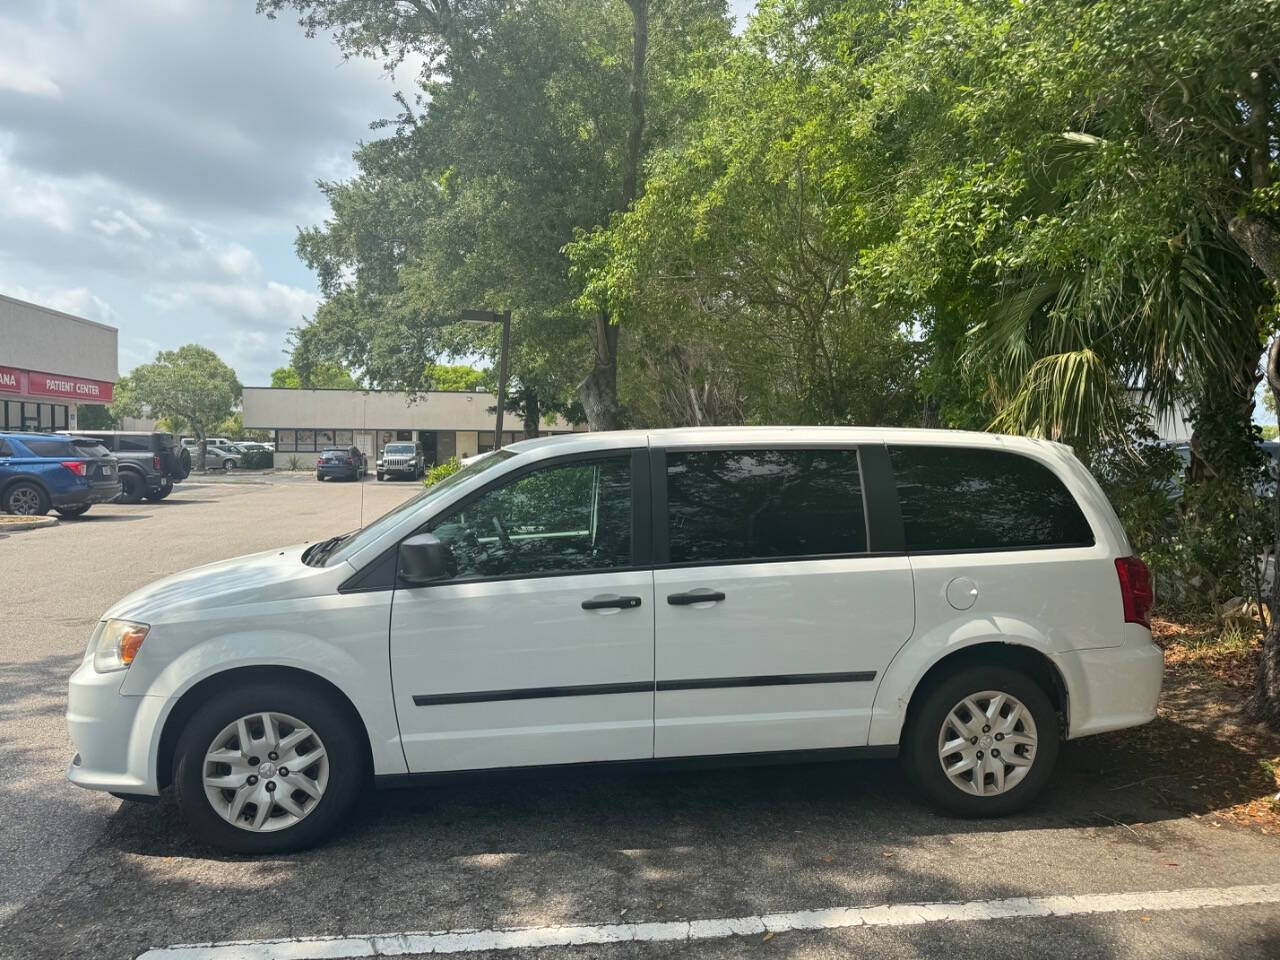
265	772
25	501
987	743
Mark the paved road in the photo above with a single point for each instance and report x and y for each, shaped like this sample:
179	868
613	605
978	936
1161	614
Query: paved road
84	876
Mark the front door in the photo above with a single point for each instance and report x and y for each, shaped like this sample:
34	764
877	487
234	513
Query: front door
539	648
774	620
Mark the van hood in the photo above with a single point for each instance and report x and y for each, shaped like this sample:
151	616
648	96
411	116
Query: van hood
269	576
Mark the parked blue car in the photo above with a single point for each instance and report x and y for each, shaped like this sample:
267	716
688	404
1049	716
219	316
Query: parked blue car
43	470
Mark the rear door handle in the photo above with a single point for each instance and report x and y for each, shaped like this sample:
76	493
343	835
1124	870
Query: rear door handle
606	603
694	596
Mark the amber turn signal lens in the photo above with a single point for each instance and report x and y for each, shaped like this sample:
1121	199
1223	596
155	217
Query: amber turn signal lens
131	643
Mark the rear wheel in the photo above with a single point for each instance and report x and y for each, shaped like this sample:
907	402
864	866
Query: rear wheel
228	465
267	768
381	477
982	742
26	499
132	487
165	489
79	510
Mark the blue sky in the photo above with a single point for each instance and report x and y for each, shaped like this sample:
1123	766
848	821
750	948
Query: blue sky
157	158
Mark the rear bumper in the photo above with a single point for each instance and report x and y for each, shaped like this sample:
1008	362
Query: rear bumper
97	493
114	735
344	471
1113	687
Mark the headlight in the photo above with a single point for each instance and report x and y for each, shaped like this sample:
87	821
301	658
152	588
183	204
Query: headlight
116	643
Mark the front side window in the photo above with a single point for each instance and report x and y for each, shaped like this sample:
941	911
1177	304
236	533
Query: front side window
567	518
734	505
958	499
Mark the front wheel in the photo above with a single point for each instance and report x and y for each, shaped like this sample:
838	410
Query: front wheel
982	742
267	768
228	465
79	510
381	477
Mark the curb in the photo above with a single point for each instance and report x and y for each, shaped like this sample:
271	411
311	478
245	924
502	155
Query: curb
7	526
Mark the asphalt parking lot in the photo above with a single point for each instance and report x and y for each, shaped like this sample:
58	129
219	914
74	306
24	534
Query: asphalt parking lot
816	860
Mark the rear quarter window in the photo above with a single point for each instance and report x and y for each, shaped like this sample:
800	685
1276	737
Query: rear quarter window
958	499
52	448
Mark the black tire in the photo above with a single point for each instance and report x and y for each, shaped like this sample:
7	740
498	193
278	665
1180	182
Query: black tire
132	487
920	740
26	499
184	463
78	510
348	767
320	477
228	465
165	489
381	477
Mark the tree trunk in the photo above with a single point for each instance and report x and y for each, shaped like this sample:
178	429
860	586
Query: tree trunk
598	393
532	413
1267	696
1261	241
201	446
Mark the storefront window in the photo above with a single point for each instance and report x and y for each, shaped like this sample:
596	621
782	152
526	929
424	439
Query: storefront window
306	441
286	440
343	438
324	438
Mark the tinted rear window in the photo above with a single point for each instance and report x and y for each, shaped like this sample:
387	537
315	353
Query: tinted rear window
52	448
728	505
136	444
88	447
954	498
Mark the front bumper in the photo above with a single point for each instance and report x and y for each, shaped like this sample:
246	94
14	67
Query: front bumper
115	736
1111	688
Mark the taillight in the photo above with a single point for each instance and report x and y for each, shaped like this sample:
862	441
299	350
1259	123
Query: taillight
78	467
155	462
1135	590
348	461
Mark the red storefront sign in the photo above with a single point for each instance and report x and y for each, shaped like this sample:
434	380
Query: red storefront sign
35	383
10	380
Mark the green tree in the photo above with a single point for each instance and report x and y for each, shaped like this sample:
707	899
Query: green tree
95	416
320	376
190	387
460	377
515	143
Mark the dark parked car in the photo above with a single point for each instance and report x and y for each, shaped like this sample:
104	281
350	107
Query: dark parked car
150	463
345	463
43	470
402	459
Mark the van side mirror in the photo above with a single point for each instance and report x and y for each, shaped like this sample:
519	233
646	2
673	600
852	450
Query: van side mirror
424	558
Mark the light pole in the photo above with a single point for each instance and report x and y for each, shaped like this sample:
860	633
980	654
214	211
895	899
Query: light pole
504	318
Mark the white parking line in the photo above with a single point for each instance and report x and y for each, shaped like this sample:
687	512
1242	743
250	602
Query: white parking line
889	915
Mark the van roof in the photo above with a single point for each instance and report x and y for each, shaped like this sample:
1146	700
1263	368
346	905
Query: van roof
684	436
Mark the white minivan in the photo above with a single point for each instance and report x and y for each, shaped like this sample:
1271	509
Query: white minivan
963	600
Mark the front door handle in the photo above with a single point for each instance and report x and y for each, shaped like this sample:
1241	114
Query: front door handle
694	596
606	603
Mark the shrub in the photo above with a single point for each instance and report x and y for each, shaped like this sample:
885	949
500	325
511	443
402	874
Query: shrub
440	471
295	462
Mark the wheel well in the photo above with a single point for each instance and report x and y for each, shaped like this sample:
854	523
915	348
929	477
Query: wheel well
1027	659
27	478
209	687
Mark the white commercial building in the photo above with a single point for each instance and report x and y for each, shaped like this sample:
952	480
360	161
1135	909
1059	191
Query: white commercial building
49	362
447	424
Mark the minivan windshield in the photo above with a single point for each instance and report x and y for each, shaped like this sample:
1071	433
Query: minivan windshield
337	549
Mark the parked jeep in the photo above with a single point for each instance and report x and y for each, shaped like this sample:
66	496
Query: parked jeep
150	463
402	459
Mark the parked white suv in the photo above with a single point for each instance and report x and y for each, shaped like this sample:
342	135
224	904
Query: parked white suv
964	600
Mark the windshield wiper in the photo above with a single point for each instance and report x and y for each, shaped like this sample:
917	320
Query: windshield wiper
316	554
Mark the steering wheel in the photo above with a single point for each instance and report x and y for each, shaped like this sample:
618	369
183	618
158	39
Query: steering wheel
504	538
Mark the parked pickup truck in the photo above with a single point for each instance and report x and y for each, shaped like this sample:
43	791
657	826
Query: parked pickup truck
150	463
